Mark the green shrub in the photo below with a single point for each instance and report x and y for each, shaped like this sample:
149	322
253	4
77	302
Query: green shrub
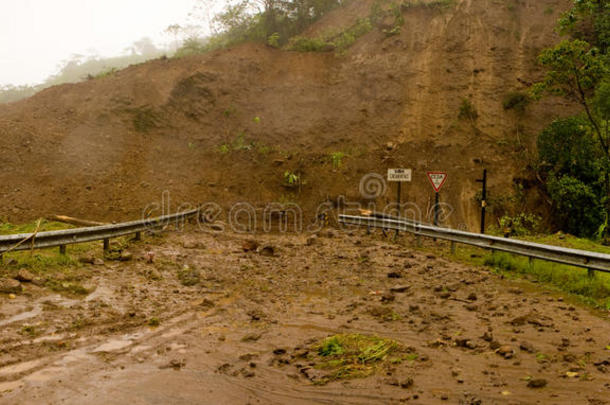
467	110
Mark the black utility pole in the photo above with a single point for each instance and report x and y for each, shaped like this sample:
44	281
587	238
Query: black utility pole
483	199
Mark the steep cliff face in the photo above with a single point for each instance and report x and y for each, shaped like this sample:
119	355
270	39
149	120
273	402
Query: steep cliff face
226	126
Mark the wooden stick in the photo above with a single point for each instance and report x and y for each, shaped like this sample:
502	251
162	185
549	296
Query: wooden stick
75	221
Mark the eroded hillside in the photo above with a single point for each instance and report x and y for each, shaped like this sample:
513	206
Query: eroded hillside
226	126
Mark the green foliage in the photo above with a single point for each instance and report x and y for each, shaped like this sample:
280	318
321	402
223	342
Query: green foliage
337	159
291	178
355	355
516	101
569	279
468	110
588	20
574	69
274	40
571	163
191	46
578	205
520	225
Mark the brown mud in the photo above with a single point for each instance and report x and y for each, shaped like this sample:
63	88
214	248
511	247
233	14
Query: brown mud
208	322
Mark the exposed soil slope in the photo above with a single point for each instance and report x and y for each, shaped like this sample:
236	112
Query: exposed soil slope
105	148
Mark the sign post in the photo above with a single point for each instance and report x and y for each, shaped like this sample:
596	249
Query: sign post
483	199
399	176
437	179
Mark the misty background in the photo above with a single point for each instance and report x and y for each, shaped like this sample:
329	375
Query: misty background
44	43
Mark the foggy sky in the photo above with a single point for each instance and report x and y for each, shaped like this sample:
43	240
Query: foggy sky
37	35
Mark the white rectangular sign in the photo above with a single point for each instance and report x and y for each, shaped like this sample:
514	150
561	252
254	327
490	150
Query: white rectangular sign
399	174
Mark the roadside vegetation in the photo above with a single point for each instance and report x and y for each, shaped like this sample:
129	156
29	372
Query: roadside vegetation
574	152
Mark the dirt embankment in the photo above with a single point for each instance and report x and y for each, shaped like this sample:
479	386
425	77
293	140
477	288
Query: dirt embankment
227	126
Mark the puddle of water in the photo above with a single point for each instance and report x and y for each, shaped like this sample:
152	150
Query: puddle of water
23	316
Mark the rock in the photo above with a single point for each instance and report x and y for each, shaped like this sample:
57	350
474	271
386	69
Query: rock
126	256
24	276
505	351
266	250
471	307
472	297
387	297
249	245
527	347
537	383
278	162
98	262
251	337
406	383
400	288
10	286
394	274
256	314
466	343
87	259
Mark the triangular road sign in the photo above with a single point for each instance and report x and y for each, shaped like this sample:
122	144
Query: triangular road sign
437	179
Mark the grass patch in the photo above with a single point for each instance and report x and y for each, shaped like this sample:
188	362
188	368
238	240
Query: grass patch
516	101
356	356
8	228
568	279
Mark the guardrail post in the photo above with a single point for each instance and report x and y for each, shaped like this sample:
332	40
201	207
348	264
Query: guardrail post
453	247
418	240
530	262
138	236
62	249
106	245
591	273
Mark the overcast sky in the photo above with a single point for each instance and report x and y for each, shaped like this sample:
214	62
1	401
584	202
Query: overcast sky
37	35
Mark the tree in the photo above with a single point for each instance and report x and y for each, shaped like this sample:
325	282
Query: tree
578	72
571	164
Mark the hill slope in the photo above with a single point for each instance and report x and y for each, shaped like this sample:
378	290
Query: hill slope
226	126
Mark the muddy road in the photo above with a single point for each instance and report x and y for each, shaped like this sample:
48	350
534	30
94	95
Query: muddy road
211	318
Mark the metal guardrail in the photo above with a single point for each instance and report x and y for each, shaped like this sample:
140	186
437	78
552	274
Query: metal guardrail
61	238
592	261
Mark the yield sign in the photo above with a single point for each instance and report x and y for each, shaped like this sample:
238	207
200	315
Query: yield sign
437	179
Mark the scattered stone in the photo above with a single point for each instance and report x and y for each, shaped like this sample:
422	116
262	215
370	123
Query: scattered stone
471	307
406	383
537	383
24	276
100	262
527	347
394	274
256	314
249	245
472	297
400	288
176	364
266	250
87	259
251	337
126	256
465	343
10	286
387	297
505	351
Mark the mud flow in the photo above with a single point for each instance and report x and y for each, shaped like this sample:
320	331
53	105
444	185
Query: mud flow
212	318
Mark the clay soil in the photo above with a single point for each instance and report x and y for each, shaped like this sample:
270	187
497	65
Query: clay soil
208	322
